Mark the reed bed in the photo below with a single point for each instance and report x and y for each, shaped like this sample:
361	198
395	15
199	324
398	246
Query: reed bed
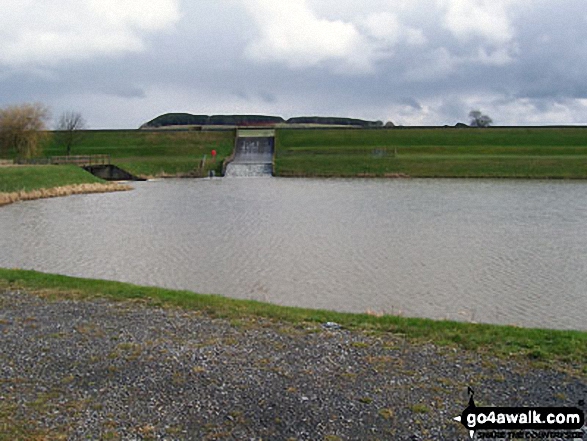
66	190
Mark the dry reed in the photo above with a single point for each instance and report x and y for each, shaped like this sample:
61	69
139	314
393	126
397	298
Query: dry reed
67	190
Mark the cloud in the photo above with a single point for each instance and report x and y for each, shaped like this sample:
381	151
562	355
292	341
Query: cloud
290	33
48	32
383	26
346	38
411	102
432	65
525	111
478	18
498	57
385	31
348	35
412	62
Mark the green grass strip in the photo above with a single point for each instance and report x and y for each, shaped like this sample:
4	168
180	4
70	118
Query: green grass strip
549	346
30	178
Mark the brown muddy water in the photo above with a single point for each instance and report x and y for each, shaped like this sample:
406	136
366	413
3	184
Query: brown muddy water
496	251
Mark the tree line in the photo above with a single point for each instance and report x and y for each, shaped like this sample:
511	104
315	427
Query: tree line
24	129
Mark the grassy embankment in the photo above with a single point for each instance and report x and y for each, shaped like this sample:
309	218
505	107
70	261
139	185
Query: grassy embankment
142	153
28	178
548	346
441	152
154	153
35	182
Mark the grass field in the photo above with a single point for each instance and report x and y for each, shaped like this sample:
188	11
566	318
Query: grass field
434	152
153	153
569	347
418	152
28	178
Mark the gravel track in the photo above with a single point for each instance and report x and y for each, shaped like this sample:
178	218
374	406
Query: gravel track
97	369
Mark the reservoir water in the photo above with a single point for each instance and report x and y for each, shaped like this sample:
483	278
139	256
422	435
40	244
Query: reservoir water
496	251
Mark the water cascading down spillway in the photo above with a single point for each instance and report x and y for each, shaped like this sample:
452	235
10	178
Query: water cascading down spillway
253	154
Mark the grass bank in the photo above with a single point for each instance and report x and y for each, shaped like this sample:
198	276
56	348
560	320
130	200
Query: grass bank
435	152
28	178
549	346
153	153
19	183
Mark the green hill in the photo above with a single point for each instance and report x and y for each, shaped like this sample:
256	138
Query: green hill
187	119
333	120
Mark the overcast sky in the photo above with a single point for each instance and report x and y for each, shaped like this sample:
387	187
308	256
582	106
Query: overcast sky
414	62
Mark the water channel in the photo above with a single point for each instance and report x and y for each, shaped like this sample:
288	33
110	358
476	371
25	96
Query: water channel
497	251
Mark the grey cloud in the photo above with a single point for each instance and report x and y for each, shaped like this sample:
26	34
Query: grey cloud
267	97
241	94
72	79
204	57
411	102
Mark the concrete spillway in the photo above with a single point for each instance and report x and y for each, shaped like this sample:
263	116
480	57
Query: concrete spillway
253	156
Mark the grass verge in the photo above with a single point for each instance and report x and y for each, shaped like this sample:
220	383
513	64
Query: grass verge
547	346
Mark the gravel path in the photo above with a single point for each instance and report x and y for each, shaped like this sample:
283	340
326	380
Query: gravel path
95	369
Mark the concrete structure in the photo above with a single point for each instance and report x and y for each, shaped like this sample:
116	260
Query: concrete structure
253	154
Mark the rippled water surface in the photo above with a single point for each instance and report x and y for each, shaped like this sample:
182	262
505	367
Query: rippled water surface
499	251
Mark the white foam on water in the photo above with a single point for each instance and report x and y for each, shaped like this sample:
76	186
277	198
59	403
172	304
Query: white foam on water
234	170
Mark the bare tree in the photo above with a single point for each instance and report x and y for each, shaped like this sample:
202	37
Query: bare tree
23	128
69	129
479	120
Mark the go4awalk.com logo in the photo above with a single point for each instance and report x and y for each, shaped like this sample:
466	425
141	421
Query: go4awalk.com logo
544	422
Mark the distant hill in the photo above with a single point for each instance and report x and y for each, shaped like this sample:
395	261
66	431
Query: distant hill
330	120
177	119
187	119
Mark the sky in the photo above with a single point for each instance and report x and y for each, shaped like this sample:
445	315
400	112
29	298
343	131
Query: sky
121	63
